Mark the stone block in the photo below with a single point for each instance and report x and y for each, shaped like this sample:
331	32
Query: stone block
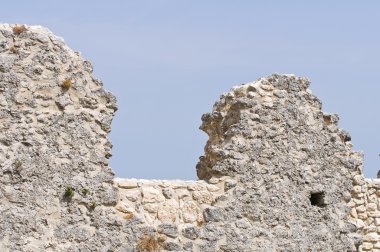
190	211
168	211
168	229
127	184
151	195
203	197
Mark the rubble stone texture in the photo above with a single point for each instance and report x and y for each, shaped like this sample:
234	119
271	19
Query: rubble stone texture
277	174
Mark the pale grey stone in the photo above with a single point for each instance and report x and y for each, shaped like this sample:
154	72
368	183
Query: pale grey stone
188	246
168	229
191	232
213	214
172	246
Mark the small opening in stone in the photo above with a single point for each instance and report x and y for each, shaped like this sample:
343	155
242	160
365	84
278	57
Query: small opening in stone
317	199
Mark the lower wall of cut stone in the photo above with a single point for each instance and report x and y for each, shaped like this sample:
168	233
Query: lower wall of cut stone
175	209
365	211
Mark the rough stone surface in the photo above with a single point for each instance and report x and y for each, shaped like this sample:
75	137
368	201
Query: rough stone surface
52	139
293	167
277	174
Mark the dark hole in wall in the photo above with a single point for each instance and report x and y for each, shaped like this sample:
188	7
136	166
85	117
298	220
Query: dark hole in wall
317	199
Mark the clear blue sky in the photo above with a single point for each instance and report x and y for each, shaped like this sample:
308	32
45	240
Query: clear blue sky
168	61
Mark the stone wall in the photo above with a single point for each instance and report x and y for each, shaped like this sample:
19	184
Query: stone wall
55	118
365	211
175	209
278	174
158	201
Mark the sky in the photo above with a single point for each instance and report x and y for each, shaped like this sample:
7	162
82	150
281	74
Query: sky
168	61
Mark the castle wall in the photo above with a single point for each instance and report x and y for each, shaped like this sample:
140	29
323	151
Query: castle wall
365	211
277	174
176	207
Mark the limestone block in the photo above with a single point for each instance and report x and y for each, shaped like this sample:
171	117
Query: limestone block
354	214
190	212
371	237
133	195
369	228
212	188
376	245
168	193
360	196
364	216
374	183
357	189
371	207
366	246
358	180
151	195
149	218
351	204
127	184
267	99
180	185
370	191
182	193
375	214
167	211
361	209
372	199
151	207
360	223
203	197
198	186
124	207
267	87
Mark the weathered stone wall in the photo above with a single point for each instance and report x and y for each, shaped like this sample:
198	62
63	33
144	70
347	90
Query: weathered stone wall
293	165
365	211
277	174
55	118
